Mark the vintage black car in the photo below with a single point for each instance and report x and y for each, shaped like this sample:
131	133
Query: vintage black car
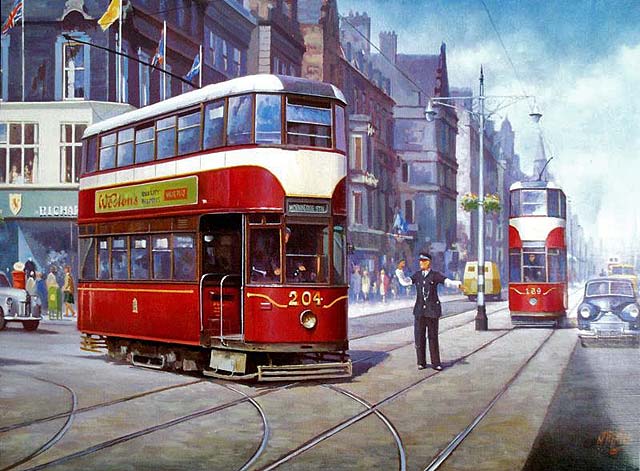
17	305
609	313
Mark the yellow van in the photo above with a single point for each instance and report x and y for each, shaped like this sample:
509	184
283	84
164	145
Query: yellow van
492	286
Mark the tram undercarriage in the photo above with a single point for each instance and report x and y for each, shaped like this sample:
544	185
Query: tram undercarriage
255	363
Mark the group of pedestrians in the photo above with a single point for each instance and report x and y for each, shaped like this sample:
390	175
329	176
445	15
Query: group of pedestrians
46	291
376	287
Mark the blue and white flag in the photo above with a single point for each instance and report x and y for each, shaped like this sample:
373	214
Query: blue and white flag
195	68
400	224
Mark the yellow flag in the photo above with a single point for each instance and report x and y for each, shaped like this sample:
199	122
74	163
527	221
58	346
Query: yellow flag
111	15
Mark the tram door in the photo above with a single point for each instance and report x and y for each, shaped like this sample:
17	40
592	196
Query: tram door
221	274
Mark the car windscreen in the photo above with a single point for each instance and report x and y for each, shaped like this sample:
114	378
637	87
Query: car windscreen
609	288
4	282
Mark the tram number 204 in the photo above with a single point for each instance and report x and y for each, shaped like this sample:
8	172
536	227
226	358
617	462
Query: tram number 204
533	290
306	298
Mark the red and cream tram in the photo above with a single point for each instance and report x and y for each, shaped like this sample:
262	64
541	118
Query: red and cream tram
212	232
537	254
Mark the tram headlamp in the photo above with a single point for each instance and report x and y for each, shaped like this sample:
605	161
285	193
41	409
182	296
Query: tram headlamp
585	312
632	310
308	319
533	301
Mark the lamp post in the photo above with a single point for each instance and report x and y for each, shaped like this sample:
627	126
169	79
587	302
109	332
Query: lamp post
430	114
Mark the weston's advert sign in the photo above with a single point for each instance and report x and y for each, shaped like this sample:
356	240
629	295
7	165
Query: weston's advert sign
177	192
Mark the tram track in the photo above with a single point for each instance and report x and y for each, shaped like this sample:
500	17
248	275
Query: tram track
371	409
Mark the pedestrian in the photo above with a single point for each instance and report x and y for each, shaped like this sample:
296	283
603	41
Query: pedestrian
67	291
383	285
366	285
427	310
41	290
356	284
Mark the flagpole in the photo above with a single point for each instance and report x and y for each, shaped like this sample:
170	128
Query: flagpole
24	1
200	74
164	60
119	71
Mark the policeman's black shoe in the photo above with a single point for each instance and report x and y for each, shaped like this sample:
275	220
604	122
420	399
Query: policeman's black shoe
422	367
438	367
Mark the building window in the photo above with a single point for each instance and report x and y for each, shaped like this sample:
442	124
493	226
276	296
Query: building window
225	56
165	82
70	151
18	153
210	52
409	211
236	69
72	77
125	76
405	172
358	153
143	73
357	207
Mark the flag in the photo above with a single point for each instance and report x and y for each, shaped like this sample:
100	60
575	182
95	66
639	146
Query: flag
195	68
158	59
400	224
111	15
14	15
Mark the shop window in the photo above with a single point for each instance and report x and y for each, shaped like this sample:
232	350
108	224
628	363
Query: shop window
18	153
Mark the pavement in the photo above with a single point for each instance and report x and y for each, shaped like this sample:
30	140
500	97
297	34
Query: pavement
359	309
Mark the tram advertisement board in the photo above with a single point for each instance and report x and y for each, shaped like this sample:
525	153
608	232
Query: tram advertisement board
175	192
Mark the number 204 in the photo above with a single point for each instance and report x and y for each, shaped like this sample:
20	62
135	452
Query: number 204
305	298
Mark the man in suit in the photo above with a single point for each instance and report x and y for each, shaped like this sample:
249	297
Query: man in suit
427	310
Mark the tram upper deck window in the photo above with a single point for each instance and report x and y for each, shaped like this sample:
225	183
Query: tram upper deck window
308	124
166	137
268	119
341	130
213	124
108	151
240	122
533	203
145	144
125	147
189	133
90	155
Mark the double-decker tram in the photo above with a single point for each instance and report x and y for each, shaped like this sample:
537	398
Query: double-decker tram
537	254
212	232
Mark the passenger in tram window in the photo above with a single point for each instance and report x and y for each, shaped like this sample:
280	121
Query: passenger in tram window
264	255
427	309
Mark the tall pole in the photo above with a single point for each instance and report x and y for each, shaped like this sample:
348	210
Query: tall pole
481	315
119	84
201	68
23	49
164	59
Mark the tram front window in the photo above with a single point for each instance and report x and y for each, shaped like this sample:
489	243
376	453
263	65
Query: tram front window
533	267
307	251
264	255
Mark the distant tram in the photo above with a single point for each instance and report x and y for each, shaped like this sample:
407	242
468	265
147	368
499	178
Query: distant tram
537	254
212	232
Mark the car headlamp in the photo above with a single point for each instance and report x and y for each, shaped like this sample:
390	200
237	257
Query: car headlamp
632	310
585	312
9	302
308	319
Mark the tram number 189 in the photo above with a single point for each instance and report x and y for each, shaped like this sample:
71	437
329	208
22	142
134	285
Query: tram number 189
533	290
305	298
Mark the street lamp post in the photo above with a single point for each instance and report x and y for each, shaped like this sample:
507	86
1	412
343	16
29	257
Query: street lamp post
430	114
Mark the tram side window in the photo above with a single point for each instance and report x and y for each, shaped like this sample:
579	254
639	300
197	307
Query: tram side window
268	119
119	259
214	124
108	151
515	203
189	133
125	147
308	125
88	258
307	253
240	122
340	131
161	257
184	257
557	265
515	266
104	267
145	144
264	255
166	137
533	266
139	257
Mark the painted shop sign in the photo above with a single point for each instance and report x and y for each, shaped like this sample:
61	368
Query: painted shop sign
38	203
58	211
177	192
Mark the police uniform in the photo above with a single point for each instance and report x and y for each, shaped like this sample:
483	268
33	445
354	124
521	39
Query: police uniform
427	311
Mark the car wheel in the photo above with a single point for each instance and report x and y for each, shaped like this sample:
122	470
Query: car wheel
3	323
30	325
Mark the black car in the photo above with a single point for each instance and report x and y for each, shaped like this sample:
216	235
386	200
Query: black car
609	313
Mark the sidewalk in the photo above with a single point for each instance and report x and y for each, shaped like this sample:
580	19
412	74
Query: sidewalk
365	309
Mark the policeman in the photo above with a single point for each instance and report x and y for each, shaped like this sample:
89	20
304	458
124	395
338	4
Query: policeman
427	310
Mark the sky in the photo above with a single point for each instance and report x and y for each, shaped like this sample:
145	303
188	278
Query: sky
581	61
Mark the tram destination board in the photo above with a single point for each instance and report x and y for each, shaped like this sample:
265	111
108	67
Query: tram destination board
307	207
